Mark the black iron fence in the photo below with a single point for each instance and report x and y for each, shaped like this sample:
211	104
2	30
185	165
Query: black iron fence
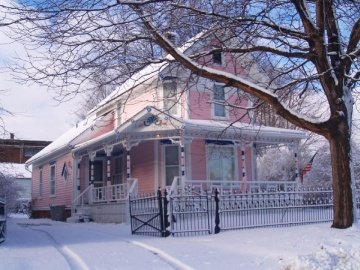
193	214
149	214
2	221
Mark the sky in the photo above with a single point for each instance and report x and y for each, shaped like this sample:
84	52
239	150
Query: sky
35	113
31	242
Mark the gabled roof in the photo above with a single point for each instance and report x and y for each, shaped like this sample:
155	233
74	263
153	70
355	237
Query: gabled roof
145	75
64	141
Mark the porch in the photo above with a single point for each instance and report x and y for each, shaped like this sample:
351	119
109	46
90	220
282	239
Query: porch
155	150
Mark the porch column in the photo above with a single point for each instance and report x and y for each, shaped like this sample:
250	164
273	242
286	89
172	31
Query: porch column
92	157
296	157
77	164
253	161
243	163
182	156
108	149
128	160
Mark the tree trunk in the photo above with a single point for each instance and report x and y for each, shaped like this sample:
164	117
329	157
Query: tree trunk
341	172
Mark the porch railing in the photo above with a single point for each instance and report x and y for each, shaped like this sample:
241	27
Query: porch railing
110	193
82	199
133	186
226	187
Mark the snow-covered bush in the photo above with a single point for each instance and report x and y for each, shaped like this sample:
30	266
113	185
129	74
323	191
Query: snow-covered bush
9	190
278	164
320	174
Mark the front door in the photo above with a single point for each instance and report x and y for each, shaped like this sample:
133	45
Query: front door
172	164
98	173
118	176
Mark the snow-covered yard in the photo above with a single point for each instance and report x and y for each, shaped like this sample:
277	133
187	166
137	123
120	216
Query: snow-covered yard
46	244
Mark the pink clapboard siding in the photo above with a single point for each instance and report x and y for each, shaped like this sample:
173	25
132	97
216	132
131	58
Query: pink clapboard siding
104	127
84	173
63	189
142	165
198	159
200	98
133	106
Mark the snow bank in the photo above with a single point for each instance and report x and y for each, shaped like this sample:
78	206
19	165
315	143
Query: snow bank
329	258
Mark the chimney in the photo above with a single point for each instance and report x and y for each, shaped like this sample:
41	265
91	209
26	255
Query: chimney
12	136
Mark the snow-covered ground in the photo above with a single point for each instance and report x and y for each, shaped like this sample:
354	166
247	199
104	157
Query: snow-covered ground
45	244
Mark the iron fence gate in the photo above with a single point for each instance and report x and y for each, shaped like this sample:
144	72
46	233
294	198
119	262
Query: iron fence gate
190	214
149	215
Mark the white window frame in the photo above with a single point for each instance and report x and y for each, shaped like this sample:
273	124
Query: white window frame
226	117
52	181
235	160
40	193
163	161
175	98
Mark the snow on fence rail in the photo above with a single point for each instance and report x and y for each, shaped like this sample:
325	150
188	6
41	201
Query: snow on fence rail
194	213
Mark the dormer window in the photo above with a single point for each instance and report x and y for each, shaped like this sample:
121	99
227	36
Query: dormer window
217	58
170	96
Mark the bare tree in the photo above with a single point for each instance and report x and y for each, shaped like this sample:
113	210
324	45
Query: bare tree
310	45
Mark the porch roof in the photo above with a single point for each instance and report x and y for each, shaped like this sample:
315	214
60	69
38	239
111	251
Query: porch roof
241	131
151	124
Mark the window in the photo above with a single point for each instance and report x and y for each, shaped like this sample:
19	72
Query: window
217	58
118	171
170	97
40	182
52	180
221	162
118	114
29	152
171	163
64	172
219	100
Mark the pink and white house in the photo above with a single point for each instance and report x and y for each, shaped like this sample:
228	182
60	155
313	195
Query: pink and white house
163	127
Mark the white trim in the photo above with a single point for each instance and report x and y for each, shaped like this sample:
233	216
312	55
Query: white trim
163	162
253	162
50	180
188	172
41	187
118	120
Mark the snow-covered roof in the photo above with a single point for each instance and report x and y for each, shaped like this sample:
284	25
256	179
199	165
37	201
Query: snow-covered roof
252	131
145	75
15	170
64	140
208	129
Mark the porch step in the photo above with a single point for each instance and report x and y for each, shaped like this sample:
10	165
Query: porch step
82	214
